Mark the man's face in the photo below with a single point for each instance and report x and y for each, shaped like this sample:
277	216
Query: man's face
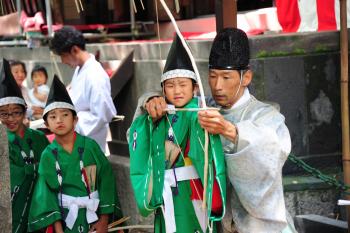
12	116
69	59
226	87
61	121
178	91
18	73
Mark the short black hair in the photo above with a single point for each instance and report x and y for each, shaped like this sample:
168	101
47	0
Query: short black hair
73	113
39	68
65	38
16	63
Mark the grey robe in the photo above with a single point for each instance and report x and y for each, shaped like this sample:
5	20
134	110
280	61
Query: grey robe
254	166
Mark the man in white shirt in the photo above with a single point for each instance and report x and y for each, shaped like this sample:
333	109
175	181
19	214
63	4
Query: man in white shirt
255	139
90	89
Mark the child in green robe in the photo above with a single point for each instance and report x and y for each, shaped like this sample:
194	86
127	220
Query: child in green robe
25	148
167	157
76	190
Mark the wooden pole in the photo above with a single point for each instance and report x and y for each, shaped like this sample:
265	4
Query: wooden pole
225	14
344	93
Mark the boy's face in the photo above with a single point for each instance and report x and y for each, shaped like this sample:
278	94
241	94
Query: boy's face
12	116
224	85
61	121
179	91
18	73
39	78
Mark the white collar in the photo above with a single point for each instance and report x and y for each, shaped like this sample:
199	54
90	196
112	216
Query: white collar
89	60
244	98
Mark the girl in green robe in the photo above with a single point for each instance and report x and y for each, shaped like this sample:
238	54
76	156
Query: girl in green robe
76	189
167	158
25	148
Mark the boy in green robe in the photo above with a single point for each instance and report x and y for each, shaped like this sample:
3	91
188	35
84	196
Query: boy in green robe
25	148
167	157
76	190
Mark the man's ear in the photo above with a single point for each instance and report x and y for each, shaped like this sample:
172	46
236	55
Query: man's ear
247	78
74	50
46	124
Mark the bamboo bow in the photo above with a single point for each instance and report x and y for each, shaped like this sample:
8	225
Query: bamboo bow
201	90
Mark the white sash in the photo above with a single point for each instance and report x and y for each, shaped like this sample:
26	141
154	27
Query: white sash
181	173
74	203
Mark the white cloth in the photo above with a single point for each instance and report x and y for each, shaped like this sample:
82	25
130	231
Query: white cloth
74	203
42	89
90	91
254	166
24	91
181	173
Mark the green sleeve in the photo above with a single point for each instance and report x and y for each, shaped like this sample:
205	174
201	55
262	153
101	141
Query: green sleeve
216	163
146	180
106	186
44	208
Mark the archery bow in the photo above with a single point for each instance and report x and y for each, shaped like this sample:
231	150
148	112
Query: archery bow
201	90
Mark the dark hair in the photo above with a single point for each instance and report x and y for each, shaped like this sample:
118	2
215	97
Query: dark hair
73	112
16	63
65	38
39	68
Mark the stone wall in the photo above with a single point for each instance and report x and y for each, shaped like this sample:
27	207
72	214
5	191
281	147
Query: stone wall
5	194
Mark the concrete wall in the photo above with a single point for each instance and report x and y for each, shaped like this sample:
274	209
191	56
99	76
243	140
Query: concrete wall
5	193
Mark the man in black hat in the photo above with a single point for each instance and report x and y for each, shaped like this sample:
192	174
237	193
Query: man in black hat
255	139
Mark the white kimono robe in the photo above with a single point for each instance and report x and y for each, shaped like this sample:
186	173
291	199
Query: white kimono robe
254	165
90	91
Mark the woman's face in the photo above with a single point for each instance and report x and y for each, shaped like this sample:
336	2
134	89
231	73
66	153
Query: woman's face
18	73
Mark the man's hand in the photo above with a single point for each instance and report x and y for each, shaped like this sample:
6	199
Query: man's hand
101	226
156	108
214	123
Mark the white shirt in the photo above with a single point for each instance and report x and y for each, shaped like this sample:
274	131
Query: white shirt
42	89
90	91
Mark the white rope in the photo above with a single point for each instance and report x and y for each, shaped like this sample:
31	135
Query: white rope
81	5
143	7
158	31
134	5
77	6
201	89
177	6
54	62
13	5
2	8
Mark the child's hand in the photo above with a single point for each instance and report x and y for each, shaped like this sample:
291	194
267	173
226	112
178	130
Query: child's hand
155	108
101	226
58	227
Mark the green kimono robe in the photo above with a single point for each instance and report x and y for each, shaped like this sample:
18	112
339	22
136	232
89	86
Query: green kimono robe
149	160
24	175
46	207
